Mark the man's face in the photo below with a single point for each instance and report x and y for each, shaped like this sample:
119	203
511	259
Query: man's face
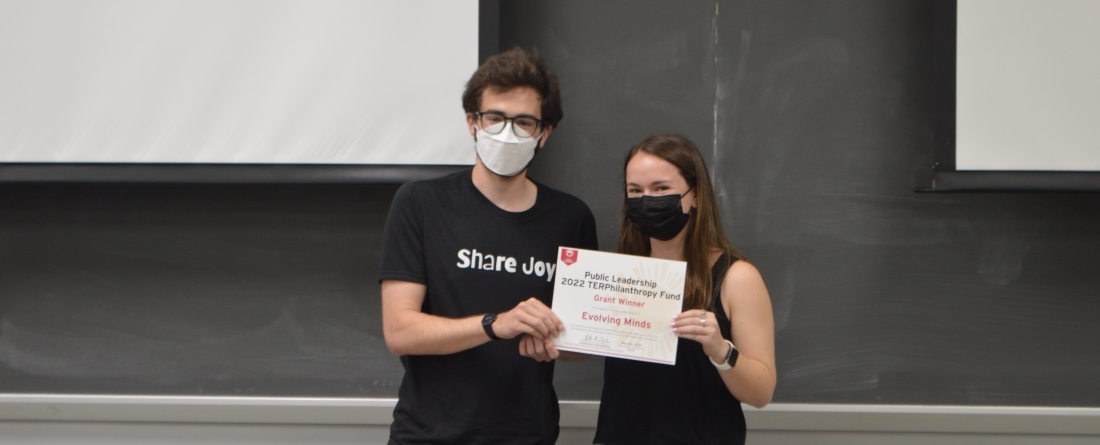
521	101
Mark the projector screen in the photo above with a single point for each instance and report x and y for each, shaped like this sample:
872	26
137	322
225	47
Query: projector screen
344	82
1028	85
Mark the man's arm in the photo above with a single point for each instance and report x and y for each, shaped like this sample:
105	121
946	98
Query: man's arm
409	331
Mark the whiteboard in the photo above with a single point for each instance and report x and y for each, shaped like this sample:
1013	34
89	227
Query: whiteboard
236	81
1027	89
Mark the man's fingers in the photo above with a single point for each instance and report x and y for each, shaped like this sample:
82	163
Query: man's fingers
535	308
540	348
533	348
524	346
534	324
535	318
536	303
517	322
550	326
552	349
528	348
557	324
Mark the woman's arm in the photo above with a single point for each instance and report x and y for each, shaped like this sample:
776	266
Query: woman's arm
746	301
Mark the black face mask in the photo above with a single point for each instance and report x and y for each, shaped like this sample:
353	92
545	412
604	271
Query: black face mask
661	217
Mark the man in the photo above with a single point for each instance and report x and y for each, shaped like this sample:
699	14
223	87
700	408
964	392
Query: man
468	265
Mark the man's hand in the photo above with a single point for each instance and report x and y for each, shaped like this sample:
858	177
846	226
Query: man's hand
541	350
529	317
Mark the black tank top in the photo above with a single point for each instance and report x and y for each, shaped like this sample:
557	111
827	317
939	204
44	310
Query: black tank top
650	403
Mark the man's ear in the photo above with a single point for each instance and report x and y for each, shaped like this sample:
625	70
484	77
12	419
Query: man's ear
470	125
545	135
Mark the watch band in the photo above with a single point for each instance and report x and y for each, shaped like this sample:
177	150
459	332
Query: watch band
487	323
731	358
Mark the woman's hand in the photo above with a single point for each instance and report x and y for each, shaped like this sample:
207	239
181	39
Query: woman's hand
701	326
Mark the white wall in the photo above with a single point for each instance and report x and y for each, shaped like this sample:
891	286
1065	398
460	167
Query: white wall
236	81
1027	96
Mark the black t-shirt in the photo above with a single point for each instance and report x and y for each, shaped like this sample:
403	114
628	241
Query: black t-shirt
476	258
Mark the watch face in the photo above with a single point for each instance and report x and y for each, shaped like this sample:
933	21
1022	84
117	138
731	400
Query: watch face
487	323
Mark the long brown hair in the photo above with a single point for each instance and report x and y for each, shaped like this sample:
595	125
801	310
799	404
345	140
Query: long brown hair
704	229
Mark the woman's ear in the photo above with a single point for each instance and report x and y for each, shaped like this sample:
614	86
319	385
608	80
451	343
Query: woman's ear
690	200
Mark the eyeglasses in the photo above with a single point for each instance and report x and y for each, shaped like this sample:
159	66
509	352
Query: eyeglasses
523	126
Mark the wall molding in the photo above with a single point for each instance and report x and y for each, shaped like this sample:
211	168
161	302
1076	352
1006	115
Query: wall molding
574	414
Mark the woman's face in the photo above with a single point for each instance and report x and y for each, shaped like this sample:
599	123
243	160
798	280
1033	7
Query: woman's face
647	174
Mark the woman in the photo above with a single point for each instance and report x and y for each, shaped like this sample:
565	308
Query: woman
726	351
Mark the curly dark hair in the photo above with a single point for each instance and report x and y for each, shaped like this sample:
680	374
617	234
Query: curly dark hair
513	69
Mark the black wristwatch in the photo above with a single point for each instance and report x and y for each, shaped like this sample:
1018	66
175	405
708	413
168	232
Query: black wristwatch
487	323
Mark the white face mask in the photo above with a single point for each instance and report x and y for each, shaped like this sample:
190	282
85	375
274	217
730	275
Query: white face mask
505	153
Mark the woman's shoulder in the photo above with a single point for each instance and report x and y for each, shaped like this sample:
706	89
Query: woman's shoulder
742	278
742	270
744	288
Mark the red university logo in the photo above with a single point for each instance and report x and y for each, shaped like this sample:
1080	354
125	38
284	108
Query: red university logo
568	256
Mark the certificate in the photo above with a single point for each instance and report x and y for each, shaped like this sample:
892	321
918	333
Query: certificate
618	305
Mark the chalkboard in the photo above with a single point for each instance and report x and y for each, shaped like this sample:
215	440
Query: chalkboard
259	290
816	118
